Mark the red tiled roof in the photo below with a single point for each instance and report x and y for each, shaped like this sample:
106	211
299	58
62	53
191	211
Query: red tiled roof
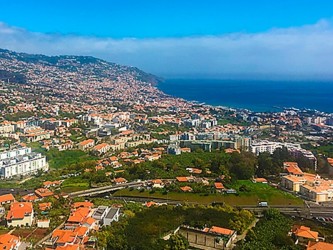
182	179
19	209
221	230
218	185
6	198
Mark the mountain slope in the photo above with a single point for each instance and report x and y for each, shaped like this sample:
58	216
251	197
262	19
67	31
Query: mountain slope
17	67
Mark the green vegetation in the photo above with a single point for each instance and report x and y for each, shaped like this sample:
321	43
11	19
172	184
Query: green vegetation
248	194
270	233
144	229
237	166
74	184
61	159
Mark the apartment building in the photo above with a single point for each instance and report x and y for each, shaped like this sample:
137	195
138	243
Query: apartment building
21	161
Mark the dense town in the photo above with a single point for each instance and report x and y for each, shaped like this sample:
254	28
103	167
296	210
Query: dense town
94	156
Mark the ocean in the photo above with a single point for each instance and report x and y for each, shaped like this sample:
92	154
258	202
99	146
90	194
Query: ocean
257	96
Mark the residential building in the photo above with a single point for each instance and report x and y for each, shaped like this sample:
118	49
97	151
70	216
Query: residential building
112	215
9	242
84	145
21	162
6	199
318	245
209	238
20	214
303	234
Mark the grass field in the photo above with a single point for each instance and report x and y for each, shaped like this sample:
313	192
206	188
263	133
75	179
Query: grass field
74	184
256	192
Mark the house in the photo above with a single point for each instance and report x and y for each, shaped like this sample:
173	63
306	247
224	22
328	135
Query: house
112	215
20	214
6	199
182	179
85	204
292	169
219	186
157	183
61	237
186	189
102	148
43	192
43	223
260	180
48	184
100	213
209	238
44	206
303	234
84	145
77	217
120	180
30	198
9	242
313	245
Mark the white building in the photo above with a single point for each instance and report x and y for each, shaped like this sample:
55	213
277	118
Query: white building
21	162
20	214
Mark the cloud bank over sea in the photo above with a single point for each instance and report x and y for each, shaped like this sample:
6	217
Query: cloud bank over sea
305	51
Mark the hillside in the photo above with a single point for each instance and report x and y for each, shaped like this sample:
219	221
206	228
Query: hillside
72	83
28	68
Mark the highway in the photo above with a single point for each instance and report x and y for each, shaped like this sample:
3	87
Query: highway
105	189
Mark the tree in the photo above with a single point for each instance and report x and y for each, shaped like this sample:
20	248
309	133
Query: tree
177	242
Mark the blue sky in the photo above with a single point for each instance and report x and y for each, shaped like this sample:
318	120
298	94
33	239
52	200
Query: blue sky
178	38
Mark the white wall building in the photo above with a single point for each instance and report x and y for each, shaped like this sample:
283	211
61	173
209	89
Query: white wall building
21	162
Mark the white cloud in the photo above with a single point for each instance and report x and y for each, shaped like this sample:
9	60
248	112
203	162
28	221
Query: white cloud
303	51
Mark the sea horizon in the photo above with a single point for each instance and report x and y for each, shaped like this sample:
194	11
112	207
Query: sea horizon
255	95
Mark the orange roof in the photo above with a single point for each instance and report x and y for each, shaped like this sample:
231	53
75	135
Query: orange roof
120	180
86	204
89	221
63	236
43	192
295	170
30	197
221	230
113	158
51	183
44	206
6	198
182	179
304	232
80	231
231	150
186	189
218	185
19	209
8	241
196	171
101	146
151	203
79	215
70	247
86	142
127	132
260	180
312	245
157	181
